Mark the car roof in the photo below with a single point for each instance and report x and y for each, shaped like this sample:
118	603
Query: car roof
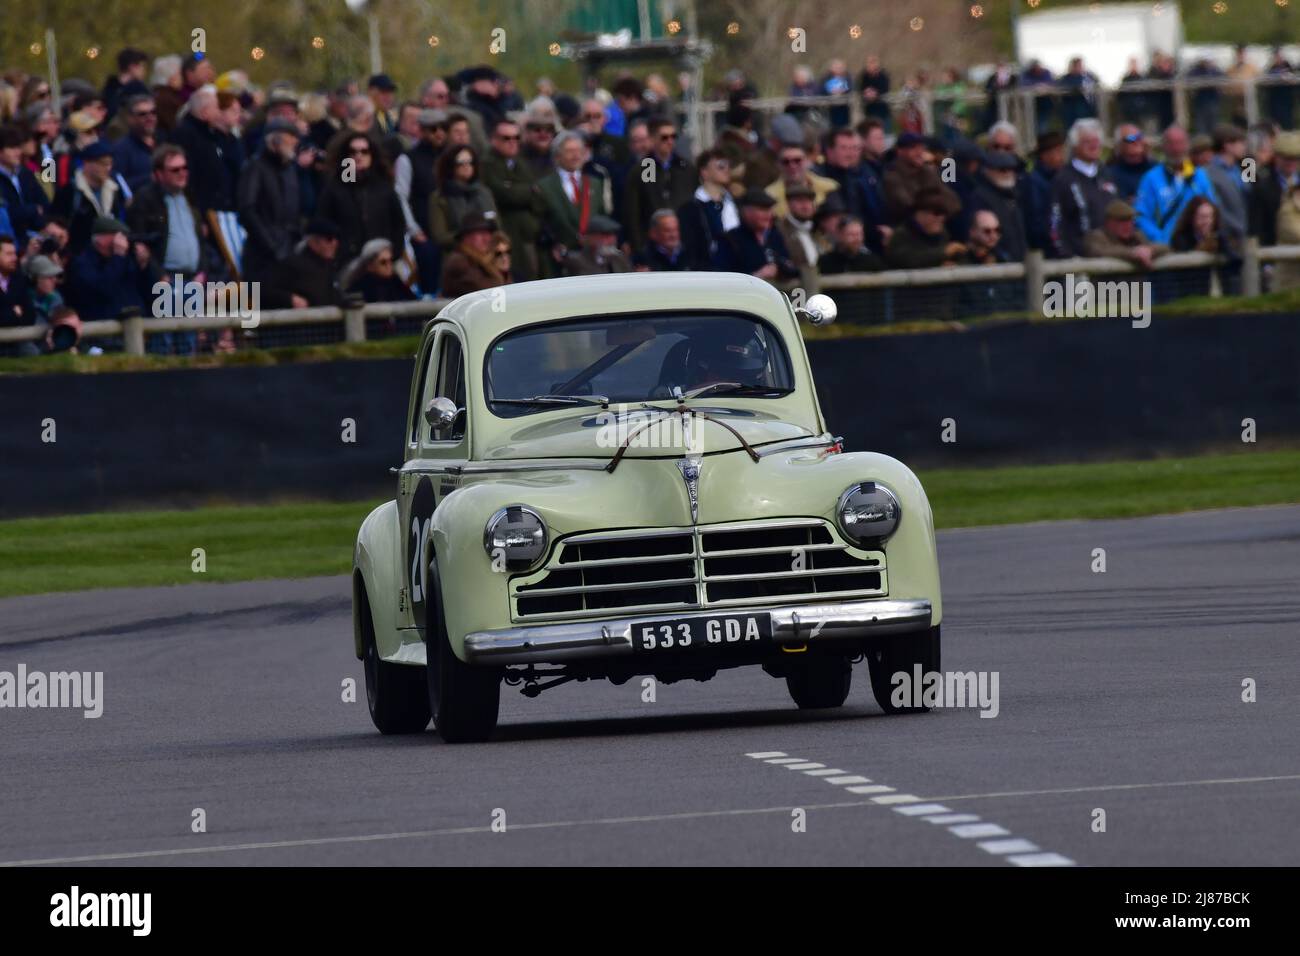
483	316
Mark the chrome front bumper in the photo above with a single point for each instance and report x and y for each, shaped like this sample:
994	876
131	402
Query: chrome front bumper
791	624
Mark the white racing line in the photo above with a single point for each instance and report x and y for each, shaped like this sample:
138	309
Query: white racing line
991	837
910	806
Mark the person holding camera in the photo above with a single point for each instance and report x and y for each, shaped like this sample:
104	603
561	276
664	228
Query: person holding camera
112	274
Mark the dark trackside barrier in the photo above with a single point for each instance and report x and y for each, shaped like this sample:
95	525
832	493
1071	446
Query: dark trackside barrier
1063	391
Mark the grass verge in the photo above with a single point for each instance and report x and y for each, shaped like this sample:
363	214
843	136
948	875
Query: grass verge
135	549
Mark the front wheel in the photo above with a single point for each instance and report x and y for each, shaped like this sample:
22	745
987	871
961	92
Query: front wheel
463	699
399	703
819	682
902	653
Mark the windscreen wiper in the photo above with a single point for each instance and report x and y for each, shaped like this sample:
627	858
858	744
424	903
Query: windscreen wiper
735	388
599	400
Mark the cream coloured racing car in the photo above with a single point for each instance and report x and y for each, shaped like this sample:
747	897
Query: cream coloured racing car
624	475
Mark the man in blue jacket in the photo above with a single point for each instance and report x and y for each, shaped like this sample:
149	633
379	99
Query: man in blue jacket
1165	190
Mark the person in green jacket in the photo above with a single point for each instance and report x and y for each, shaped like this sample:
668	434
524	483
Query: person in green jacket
518	199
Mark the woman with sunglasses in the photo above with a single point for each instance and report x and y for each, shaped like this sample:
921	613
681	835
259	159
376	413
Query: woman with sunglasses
460	196
358	194
372	275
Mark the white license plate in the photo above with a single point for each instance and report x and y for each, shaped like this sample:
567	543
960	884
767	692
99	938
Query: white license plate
711	631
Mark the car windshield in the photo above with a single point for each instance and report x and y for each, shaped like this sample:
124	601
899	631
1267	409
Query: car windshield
633	359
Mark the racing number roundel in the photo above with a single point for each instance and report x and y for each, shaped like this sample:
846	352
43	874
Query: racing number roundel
417	546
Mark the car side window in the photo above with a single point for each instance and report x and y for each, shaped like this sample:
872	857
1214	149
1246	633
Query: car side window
450	384
422	395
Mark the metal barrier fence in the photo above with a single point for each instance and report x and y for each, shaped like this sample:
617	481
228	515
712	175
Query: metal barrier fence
1196	103
943	293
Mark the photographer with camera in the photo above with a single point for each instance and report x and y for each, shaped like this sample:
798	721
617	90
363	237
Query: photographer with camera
112	274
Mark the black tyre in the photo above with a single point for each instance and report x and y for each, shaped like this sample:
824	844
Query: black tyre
396	693
462	698
901	652
819	682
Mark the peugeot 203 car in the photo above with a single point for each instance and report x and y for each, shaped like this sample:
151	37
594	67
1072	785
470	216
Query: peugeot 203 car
629	475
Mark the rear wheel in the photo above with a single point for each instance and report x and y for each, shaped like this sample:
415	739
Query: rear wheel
399	702
463	699
819	682
902	653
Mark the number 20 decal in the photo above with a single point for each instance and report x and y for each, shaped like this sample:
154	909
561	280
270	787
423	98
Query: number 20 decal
421	521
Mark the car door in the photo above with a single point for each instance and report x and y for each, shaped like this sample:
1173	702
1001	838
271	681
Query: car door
435	458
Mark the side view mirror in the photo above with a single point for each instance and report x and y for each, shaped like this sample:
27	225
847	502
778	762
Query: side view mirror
441	413
819	310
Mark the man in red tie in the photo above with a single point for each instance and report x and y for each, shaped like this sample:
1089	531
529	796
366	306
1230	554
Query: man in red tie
574	192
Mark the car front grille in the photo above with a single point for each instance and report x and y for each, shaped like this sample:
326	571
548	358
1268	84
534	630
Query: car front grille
725	565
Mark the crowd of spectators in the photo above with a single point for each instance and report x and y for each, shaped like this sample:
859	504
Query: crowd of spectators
462	184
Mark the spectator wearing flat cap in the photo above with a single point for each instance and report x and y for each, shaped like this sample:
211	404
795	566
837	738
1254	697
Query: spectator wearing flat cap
270	207
997	190
796	170
94	191
850	252
383	94
281	104
663	180
308	277
921	241
1036	191
826	224
796	226
45	275
1129	162
518	198
756	246
909	175
472	265
111	274
1119	237
599	254
481	92
364	204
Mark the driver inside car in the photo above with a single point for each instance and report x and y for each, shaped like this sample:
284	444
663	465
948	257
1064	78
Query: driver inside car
718	360
710	360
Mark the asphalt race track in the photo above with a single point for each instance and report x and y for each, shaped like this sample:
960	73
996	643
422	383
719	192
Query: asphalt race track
1119	691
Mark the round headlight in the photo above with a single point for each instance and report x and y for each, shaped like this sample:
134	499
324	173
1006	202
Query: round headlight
869	511
516	535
